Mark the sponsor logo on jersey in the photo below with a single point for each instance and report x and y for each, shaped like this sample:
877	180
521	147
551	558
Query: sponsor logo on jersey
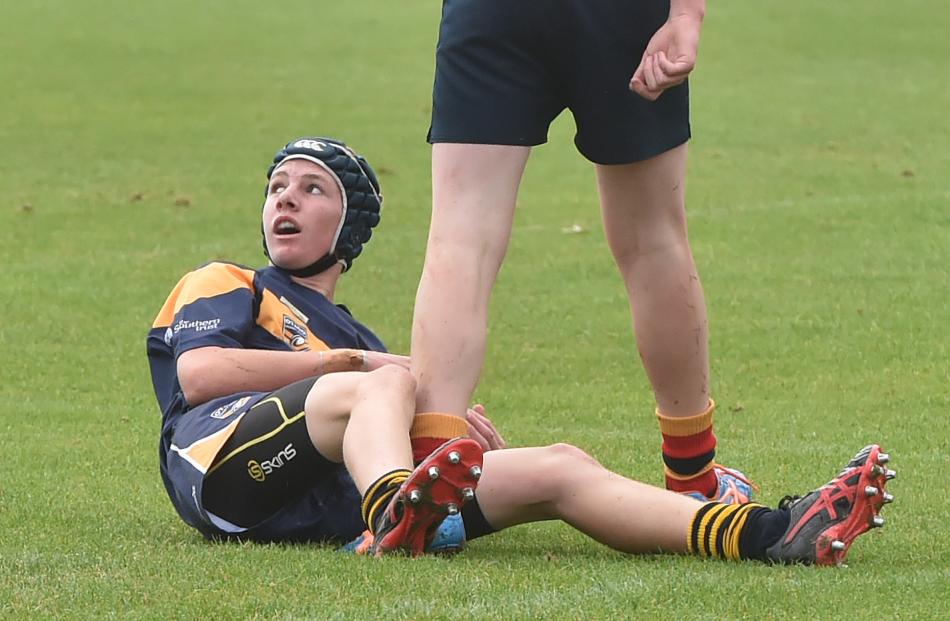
259	470
169	335
229	408
198	326
295	334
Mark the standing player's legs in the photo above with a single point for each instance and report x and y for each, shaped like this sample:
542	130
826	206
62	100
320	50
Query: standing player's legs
494	96
644	212
474	190
639	148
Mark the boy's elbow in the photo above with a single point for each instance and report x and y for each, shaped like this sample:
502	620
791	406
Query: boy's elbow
193	377
194	394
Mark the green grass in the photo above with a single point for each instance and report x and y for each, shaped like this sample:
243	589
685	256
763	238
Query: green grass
133	143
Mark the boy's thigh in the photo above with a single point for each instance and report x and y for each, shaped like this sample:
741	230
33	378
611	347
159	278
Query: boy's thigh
267	462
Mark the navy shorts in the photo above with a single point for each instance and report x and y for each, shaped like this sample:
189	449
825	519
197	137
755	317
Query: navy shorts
506	68
243	467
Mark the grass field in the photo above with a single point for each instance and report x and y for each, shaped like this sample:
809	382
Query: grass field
133	143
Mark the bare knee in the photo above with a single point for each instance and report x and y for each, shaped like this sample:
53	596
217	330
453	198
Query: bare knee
345	390
336	396
561	466
566	456
391	379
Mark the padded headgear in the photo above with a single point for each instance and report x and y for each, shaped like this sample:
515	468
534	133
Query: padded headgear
362	201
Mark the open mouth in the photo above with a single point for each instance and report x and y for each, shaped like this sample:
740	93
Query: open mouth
285	226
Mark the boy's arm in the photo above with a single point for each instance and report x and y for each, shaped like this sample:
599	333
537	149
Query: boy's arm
207	373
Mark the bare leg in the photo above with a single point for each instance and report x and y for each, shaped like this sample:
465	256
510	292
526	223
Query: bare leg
643	206
363	419
474	188
562	482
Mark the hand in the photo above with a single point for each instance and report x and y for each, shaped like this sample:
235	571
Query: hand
669	58
482	430
373	360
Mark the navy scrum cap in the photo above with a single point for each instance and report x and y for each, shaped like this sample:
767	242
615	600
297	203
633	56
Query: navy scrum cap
362	201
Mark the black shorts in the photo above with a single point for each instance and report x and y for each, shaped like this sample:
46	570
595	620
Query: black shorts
506	68
263	479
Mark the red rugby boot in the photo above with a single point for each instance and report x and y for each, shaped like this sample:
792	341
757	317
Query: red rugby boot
438	487
826	522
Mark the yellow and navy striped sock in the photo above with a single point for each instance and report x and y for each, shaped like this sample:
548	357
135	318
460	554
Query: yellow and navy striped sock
733	531
378	495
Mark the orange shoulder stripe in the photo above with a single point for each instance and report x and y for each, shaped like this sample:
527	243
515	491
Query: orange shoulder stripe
205	282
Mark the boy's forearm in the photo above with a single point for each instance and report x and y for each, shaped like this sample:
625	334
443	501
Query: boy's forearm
213	372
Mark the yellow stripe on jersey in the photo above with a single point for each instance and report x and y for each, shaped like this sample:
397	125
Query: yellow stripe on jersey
205	282
282	319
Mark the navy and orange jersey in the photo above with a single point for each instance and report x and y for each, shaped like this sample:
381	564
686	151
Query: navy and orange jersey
228	305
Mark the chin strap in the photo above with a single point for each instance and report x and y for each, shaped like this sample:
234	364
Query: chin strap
320	265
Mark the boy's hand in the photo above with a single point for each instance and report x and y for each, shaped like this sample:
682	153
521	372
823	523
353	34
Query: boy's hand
669	58
482	430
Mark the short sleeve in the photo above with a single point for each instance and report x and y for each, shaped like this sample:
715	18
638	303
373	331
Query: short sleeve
212	306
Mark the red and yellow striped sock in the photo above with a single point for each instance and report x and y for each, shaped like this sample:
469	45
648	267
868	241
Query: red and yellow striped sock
430	430
689	447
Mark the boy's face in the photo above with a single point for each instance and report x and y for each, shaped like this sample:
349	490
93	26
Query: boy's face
302	213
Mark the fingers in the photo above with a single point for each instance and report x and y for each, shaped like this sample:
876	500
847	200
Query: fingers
640	89
484	427
485	432
474	434
373	360
636	80
674	70
644	82
657	73
653	79
403	361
